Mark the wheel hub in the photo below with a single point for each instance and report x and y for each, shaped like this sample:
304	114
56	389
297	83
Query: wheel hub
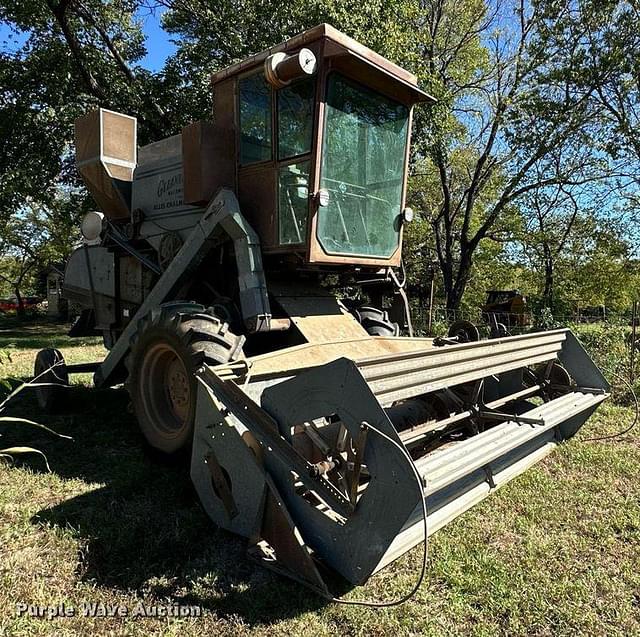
165	388
178	387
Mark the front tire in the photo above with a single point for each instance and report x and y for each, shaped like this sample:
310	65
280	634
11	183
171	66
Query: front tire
376	322
171	345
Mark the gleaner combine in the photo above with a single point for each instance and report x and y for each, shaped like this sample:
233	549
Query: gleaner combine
211	272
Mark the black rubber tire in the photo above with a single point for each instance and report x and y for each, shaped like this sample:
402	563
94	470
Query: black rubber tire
464	331
376	322
499	330
49	396
170	345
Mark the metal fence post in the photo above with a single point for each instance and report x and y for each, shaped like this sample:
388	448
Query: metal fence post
430	317
432	274
634	320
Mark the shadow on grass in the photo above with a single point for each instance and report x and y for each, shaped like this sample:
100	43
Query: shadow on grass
142	527
37	333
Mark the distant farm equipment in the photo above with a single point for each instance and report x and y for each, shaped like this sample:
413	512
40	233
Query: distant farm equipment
504	310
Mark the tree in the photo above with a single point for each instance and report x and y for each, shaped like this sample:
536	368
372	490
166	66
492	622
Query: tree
604	58
577	248
518	117
552	217
519	110
22	247
78	54
509	118
35	237
597	267
211	36
605	54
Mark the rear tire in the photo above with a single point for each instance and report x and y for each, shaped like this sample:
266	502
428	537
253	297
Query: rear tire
170	346
376	322
51	369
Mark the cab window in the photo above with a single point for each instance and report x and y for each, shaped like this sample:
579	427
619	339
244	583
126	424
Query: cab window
295	118
255	119
295	134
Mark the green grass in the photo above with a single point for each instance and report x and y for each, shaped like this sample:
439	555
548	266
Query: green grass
556	552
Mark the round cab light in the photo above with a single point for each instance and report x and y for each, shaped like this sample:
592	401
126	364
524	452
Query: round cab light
91	226
407	215
281	69
323	198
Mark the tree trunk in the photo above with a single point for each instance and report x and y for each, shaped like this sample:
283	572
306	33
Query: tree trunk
455	294
20	311
454	298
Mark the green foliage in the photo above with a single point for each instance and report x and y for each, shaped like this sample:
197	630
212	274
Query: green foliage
545	320
77	55
603	54
10	453
597	266
531	97
609	345
514	122
35	237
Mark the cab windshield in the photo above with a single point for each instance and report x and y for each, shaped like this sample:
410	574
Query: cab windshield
363	163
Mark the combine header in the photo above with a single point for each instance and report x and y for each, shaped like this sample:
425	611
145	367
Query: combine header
315	431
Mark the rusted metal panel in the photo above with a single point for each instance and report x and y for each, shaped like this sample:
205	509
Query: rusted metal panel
386	361
301	357
378	77
106	147
206	162
224	121
258	197
321	318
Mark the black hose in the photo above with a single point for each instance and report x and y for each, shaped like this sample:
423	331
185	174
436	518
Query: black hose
636	417
425	553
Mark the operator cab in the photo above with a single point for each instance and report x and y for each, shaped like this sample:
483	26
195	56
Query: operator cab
319	128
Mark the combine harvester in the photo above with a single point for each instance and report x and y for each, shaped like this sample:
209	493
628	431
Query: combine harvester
315	431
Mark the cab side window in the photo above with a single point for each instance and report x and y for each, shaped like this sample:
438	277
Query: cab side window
295	135
255	119
295	118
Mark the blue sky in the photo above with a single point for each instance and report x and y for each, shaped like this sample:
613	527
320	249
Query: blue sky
158	44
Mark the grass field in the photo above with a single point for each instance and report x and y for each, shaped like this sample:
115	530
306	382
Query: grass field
556	552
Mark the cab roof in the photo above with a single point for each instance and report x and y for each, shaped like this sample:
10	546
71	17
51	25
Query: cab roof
350	47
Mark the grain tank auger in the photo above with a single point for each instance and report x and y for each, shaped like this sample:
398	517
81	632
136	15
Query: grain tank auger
213	272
